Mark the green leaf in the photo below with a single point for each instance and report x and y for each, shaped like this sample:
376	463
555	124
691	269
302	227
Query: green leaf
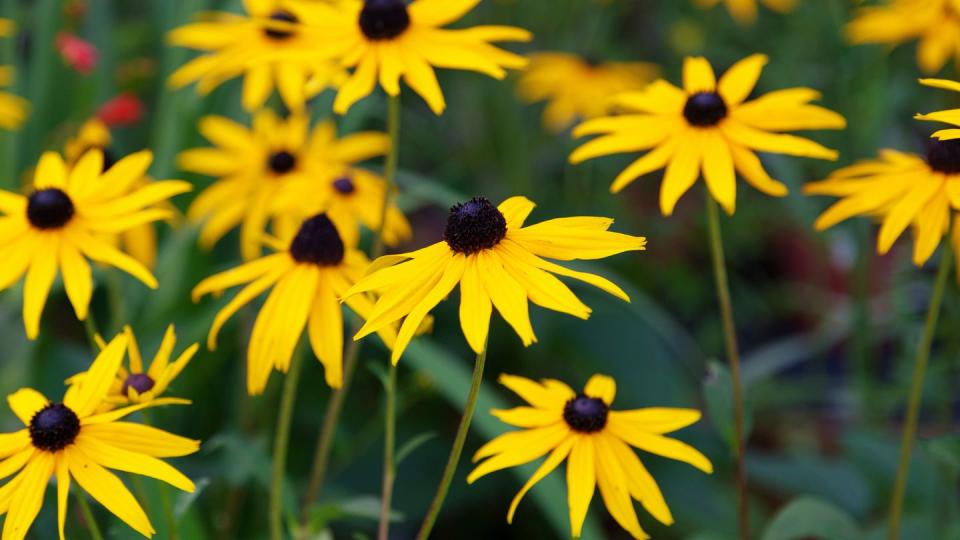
945	450
185	500
718	395
408	447
808	517
365	508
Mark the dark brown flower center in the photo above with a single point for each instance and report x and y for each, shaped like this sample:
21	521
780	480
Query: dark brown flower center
318	242
474	225
277	33
282	162
54	428
49	208
384	19
705	109
585	414
141	382
944	156
344	185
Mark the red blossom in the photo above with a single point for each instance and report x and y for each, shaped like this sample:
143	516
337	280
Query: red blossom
79	54
123	110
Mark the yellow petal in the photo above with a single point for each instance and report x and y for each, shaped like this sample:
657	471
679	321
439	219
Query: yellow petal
132	462
718	170
613	488
25	403
142	439
581	481
99	378
553	460
737	83
51	172
698	75
25	506
518	447
107	489
602	387
475	306
40	276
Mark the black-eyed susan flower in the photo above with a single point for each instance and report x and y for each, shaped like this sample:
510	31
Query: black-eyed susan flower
269	173
902	189
578	88
595	441
935	23
386	40
73	214
351	196
138	383
745	11
708	126
13	109
72	442
269	46
309	274
498	263
140	242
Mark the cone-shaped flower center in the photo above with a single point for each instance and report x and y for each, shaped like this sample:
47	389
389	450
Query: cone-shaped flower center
276	33
585	414
344	185
141	382
384	19
318	242
282	162
944	156
705	109
474	225
54	428
49	208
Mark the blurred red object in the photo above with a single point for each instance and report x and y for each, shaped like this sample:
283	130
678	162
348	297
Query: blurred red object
79	54
124	110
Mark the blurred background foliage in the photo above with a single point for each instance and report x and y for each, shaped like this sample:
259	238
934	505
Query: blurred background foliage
827	327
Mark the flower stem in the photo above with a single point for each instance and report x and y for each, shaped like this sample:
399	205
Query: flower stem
321	458
91	521
916	394
389	445
90	326
457	449
281	442
733	357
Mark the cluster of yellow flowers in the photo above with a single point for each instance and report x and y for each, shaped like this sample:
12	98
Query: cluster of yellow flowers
299	191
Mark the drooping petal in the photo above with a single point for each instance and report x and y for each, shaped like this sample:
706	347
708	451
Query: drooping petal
581	481
553	460
108	490
119	459
25	505
516	448
142	439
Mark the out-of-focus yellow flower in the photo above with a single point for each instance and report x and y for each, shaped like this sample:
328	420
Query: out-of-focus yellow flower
577	88
497	262
386	40
595	441
708	126
951	116
72	214
745	11
309	274
935	23
74	441
140	242
13	109
270	46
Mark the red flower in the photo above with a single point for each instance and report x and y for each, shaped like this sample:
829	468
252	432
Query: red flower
79	54
124	110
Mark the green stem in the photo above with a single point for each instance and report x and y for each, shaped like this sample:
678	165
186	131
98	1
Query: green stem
281	443
916	395
389	445
163	489
733	357
321	458
91	522
457	449
90	326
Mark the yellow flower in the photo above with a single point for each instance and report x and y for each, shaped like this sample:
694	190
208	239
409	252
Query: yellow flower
309	274
267	172
270	46
71	215
140	385
951	116
575	87
13	109
936	23
72	441
140	242
595	441
497	263
745	11
388	39
708	126
351	196
901	190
